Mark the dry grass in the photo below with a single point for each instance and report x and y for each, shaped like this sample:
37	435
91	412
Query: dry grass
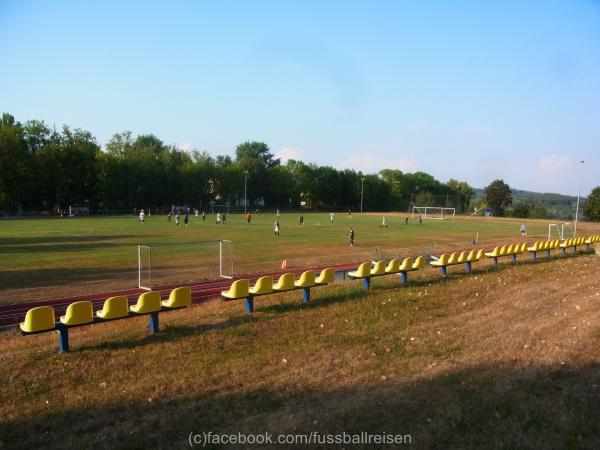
504	358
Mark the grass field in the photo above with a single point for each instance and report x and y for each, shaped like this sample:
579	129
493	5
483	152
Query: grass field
44	258
506	358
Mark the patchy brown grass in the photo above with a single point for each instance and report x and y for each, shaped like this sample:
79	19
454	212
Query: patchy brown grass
504	358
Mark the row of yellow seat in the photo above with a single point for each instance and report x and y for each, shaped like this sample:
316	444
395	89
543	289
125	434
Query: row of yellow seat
380	268
42	318
592	239
464	257
240	289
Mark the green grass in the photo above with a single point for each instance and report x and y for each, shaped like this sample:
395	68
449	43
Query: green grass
70	256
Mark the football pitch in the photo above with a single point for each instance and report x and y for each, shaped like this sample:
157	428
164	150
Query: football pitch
44	258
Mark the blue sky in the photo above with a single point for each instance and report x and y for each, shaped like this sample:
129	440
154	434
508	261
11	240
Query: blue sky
467	90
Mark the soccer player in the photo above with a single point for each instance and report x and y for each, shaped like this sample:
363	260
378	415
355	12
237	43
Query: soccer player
383	223
301	219
203	216
351	237
331	217
276	232
224	218
523	230
218	218
177	219
248	217
406	220
186	219
142	215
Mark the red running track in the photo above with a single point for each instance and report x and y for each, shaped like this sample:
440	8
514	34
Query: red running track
201	292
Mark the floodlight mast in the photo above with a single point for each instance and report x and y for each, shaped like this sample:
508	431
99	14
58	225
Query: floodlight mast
578	195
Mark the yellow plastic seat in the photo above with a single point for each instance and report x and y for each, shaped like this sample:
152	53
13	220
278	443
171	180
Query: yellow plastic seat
535	247
148	302
38	319
419	263
326	276
78	313
407	264
494	253
264	285
364	270
307	279
393	266
114	308
441	262
285	283
480	254
379	268
453	258
179	298
471	257
238	289
462	258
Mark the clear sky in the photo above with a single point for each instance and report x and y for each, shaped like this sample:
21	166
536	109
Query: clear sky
468	90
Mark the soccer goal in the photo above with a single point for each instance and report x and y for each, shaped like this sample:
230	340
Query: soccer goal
219	209
561	231
433	212
183	263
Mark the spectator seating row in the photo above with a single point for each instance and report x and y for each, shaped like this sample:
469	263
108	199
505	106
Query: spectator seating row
366	272
42	319
466	258
240	289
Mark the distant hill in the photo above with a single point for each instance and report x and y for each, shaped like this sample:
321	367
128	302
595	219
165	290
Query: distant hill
558	205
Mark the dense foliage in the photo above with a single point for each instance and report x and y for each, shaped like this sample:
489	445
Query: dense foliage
592	205
44	169
498	196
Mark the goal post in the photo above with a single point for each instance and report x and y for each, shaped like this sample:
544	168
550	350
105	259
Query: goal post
433	212
184	263
219	209
561	230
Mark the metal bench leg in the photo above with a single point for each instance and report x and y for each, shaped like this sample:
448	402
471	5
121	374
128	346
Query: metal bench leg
514	258
534	256
63	339
249	305
574	249
404	278
306	295
494	261
468	267
443	271
563	251
548	253
154	323
367	283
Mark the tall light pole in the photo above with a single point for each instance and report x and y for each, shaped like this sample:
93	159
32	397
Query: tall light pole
578	194
245	191
362	191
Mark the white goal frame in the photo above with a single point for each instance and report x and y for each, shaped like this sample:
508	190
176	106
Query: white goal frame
429	212
219	208
561	229
145	256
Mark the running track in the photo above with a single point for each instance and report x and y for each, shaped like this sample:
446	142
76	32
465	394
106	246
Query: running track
204	291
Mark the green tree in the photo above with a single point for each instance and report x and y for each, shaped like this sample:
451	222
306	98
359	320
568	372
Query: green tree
538	211
592	205
498	196
258	151
521	210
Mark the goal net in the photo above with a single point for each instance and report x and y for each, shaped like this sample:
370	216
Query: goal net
433	212
219	209
184	263
560	231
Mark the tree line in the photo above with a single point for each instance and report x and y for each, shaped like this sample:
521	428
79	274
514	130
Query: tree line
45	169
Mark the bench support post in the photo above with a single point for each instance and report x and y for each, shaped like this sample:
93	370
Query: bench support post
587	247
514	257
443	271
574	249
63	339
495	261
154	323
563	251
306	294
469	267
404	278
367	282
548	253
534	256
249	305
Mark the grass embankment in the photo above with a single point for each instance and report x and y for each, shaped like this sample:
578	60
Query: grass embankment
47	258
504	358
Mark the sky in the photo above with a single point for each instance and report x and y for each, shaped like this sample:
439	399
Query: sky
468	90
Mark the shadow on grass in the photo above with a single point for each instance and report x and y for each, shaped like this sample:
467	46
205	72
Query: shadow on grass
171	333
62	276
486	406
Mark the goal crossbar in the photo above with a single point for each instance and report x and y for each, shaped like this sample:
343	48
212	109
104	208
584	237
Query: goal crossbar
433	212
